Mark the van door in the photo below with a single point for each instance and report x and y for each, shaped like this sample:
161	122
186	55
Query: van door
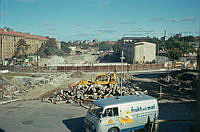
128	119
110	117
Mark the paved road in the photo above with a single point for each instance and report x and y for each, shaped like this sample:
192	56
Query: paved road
151	75
177	111
34	116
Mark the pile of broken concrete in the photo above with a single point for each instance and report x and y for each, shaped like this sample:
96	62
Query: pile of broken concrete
82	93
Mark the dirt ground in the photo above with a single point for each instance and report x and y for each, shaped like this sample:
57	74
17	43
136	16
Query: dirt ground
37	85
170	92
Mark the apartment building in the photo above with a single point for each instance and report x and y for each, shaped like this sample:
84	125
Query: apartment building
9	41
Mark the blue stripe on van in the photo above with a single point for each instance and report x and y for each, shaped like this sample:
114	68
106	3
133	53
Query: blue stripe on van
132	128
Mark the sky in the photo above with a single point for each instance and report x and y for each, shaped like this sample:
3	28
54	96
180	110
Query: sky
68	20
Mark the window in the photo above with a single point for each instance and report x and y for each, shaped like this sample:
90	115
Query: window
110	112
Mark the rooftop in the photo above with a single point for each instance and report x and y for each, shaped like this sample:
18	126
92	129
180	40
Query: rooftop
197	37
122	99
26	35
136	38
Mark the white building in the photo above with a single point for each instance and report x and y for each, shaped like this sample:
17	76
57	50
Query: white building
140	52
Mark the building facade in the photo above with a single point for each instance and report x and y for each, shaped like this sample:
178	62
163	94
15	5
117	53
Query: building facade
9	41
140	52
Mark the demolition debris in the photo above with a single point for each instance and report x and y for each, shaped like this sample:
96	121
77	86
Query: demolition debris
82	93
72	88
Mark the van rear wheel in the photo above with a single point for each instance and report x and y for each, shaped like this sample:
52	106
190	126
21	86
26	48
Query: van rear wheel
114	129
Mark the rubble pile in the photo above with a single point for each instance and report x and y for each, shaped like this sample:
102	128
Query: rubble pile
8	92
20	85
81	93
77	74
169	81
38	80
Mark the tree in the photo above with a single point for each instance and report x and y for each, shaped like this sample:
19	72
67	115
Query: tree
188	39
8	29
65	47
22	49
117	48
178	46
49	48
84	46
174	53
105	47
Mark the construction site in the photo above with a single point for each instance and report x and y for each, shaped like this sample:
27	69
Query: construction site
67	91
99	66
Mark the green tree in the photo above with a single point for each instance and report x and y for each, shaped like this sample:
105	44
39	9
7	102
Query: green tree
187	39
22	49
84	46
174	53
65	47
177	46
105	47
49	48
116	48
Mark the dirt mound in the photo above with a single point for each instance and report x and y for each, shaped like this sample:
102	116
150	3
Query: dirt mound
77	74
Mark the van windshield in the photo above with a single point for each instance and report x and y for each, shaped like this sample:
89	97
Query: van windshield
96	110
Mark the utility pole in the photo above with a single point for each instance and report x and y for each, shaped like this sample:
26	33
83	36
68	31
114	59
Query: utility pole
158	52
122	58
164	38
37	59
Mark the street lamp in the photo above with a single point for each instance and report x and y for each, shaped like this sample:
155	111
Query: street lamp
122	58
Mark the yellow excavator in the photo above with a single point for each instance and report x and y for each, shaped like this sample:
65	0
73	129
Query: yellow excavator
109	79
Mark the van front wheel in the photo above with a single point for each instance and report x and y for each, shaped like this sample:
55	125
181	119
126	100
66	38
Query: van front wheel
114	129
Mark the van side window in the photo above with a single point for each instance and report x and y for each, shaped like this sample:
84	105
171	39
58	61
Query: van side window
109	112
115	111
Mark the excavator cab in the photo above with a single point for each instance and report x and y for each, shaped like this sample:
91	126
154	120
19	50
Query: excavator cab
106	79
109	79
102	79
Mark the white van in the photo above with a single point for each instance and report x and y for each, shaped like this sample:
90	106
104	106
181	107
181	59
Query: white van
123	113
